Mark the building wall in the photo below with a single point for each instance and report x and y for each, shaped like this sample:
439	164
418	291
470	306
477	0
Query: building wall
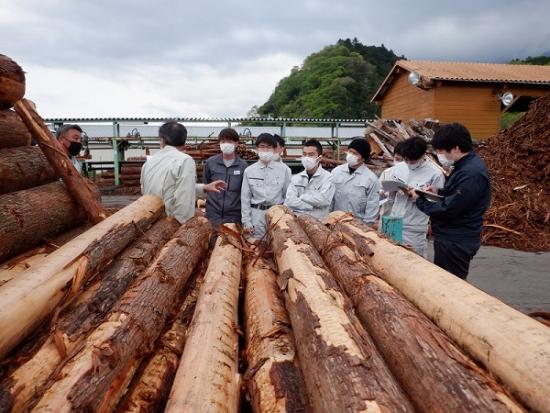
476	106
404	101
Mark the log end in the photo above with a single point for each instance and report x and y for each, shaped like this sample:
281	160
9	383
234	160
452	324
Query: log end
12	82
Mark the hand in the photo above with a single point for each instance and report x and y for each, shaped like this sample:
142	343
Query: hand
431	188
412	194
249	231
215	186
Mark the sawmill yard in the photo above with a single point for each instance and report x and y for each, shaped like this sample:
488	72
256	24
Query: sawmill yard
109	305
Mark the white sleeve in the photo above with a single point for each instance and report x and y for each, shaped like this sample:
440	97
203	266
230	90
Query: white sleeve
246	197
322	198
293	201
179	193
373	202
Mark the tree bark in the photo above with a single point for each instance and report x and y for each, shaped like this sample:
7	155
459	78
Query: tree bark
132	327
81	189
273	378
28	217
12	82
211	350
149	391
17	265
65	271
76	322
512	346
343	371
22	168
436	375
13	131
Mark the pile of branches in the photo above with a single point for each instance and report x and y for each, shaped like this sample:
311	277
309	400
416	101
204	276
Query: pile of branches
519	161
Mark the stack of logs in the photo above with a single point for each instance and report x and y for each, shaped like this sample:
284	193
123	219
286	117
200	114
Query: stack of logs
136	315
35	206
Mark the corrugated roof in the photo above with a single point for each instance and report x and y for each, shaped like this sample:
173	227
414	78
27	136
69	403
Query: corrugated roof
472	72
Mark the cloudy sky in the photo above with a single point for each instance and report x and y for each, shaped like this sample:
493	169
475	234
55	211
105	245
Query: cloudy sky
221	57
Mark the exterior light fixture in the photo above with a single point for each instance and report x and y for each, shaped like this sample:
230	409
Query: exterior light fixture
507	98
414	78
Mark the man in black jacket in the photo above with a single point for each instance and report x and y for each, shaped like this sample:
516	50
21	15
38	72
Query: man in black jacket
457	220
225	207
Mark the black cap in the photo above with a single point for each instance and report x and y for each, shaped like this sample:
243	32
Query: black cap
362	146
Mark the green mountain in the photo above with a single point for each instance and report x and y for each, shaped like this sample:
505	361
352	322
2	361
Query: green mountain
536	60
337	82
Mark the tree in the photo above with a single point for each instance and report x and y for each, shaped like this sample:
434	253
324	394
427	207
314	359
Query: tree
336	82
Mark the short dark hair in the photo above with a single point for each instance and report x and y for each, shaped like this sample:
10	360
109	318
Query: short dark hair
229	134
316	143
280	140
452	135
398	149
173	133
266	138
66	128
414	148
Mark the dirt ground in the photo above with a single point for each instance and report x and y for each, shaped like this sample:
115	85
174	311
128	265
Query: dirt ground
520	279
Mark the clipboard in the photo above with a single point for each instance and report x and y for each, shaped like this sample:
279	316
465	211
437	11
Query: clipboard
430	196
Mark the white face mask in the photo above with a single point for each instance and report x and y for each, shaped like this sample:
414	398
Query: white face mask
443	160
276	157
352	159
227	148
414	166
265	156
309	163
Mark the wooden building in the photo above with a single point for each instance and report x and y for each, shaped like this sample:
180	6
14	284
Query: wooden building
469	93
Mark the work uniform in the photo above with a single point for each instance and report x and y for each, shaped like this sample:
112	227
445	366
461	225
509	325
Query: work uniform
224	207
76	163
311	195
263	186
171	174
457	220
396	172
356	191
415	222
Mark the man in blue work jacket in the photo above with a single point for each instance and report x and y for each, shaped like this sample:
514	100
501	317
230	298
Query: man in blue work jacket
457	220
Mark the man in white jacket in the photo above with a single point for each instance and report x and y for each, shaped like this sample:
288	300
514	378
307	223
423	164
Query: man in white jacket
420	172
312	190
356	185
171	174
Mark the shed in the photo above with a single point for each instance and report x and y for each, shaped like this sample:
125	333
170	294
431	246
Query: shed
469	93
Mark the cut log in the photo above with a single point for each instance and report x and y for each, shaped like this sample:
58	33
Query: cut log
273	378
342	369
13	131
132	327
130	170
34	257
512	346
81	189
22	168
150	390
78	320
211	350
436	375
130	177
12	82
30	298
30	216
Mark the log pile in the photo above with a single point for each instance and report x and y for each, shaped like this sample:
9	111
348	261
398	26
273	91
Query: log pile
519	161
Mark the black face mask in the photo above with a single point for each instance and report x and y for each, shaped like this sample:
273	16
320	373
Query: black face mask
74	148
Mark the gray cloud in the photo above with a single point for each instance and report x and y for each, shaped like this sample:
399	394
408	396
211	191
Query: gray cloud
164	45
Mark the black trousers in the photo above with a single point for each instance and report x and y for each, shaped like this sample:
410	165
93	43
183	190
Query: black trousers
455	256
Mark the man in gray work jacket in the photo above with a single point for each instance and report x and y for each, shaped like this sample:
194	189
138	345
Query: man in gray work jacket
225	207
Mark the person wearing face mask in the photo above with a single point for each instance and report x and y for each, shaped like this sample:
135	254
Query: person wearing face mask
280	151
264	185
356	185
419	173
393	173
312	190
225	207
70	136
171	174
457	220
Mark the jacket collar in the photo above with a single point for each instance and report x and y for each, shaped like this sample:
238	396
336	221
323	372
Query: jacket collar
219	159
317	172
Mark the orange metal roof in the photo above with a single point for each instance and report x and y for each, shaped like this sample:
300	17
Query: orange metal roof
472	72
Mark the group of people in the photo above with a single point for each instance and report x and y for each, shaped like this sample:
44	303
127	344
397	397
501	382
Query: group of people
238	193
